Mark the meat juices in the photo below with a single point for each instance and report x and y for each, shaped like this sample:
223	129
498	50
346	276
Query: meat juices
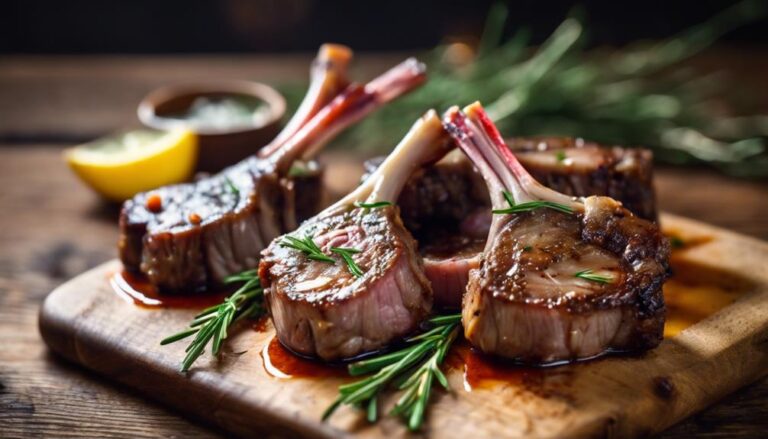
202	232
321	308
555	286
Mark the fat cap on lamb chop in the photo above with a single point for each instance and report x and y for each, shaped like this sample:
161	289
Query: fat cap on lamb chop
561	278
187	237
350	280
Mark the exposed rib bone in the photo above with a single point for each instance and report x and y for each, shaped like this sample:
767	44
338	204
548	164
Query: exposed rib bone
334	309
425	143
328	77
481	141
531	298
354	103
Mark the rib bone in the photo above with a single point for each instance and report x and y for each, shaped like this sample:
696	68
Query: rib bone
323	309
555	286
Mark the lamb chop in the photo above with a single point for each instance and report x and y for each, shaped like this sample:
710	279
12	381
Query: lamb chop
575	167
189	237
561	278
350	280
446	205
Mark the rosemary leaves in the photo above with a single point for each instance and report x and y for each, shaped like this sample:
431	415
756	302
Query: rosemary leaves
308	246
213	323
231	187
412	369
529	206
376	205
591	276
346	254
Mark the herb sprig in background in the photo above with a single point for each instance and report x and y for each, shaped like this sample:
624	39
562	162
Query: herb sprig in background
637	95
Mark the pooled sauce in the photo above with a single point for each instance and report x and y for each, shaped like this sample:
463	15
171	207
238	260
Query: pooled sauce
480	369
282	363
138	290
694	293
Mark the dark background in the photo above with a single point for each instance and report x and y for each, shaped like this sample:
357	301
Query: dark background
187	26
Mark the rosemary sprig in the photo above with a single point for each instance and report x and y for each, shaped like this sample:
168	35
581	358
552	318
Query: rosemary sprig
508	196
529	206
375	205
308	247
591	276
533	205
346	254
412	369
213	323
231	187
312	250
638	95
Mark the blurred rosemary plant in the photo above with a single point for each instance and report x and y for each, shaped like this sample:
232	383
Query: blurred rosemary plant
639	95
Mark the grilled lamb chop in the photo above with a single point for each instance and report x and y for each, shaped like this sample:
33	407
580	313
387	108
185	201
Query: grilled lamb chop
451	189
445	205
188	237
321	305
561	278
575	167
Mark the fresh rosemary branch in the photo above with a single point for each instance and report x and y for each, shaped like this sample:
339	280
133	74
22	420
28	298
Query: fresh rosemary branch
346	254
591	276
529	206
308	247
214	322
412	369
375	205
637	95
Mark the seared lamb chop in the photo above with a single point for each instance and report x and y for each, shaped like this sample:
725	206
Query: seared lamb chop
451	189
445	205
350	280
575	167
561	278
187	237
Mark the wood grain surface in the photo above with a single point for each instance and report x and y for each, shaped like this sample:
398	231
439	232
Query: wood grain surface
85	321
52	229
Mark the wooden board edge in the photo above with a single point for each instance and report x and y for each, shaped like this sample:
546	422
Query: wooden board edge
58	333
66	338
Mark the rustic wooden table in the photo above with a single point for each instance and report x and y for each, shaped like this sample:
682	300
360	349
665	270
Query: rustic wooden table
52	228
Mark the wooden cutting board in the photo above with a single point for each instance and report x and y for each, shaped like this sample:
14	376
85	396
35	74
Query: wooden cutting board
87	322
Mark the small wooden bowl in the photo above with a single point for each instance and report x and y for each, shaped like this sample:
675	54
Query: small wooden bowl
219	147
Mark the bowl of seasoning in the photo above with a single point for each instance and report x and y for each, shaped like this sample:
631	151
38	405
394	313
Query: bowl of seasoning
232	119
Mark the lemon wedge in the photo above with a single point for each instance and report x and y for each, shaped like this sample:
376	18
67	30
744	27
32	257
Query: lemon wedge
120	166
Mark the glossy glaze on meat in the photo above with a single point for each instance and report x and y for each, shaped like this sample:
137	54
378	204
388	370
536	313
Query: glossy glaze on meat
212	228
450	198
575	167
320	308
527	300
